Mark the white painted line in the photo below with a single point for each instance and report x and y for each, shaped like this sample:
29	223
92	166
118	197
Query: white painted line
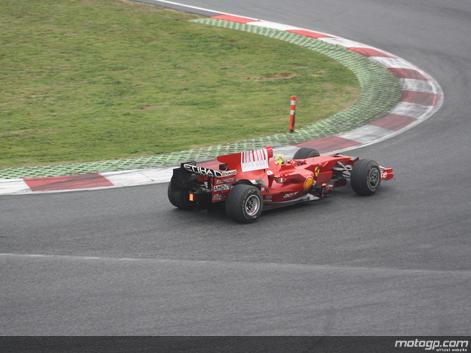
273	25
396	63
231	264
366	133
347	43
192	7
409	84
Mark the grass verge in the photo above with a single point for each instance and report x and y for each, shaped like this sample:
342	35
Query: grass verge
87	80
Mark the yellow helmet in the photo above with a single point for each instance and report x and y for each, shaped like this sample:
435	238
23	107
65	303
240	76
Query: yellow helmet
280	159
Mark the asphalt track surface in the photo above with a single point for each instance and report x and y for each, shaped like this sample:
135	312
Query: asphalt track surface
397	263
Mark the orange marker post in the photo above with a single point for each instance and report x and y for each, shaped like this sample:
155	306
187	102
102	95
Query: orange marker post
292	114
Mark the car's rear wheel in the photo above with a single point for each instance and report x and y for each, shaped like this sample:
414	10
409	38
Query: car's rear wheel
178	197
244	203
365	177
305	152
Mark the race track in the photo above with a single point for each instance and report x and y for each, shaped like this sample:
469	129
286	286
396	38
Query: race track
397	263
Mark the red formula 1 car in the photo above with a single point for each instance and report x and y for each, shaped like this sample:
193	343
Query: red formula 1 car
249	182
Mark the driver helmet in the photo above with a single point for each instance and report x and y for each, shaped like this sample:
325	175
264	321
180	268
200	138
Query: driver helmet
280	159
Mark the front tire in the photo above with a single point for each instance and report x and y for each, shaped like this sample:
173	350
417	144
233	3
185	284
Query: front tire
365	177
244	203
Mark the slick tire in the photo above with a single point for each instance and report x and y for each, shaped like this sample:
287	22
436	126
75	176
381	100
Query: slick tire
365	177
178	197
244	203
305	152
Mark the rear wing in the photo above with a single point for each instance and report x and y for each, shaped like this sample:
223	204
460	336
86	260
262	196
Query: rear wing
212	173
184	176
230	164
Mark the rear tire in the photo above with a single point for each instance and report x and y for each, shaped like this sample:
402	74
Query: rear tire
178	197
244	203
305	152
365	177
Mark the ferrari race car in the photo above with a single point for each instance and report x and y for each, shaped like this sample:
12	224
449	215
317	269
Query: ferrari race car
251	181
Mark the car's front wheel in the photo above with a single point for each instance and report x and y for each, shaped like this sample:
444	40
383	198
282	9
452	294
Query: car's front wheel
244	203
365	177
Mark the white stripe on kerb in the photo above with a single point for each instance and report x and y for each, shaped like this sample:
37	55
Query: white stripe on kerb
410	84
412	110
396	63
273	25
12	186
158	175
139	177
347	43
366	133
123	179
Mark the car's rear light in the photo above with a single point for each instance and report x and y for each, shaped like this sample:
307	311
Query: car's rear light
191	197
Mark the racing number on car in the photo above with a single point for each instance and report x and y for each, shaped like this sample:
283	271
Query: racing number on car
308	183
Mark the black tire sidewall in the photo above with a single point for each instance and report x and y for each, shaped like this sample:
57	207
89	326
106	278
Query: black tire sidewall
235	203
305	152
360	174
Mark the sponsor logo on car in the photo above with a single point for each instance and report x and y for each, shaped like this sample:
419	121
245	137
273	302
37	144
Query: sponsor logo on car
208	172
222	187
225	181
290	195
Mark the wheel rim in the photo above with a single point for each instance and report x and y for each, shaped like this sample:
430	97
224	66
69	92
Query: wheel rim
252	205
373	179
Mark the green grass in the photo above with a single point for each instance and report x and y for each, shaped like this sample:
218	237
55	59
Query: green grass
84	80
